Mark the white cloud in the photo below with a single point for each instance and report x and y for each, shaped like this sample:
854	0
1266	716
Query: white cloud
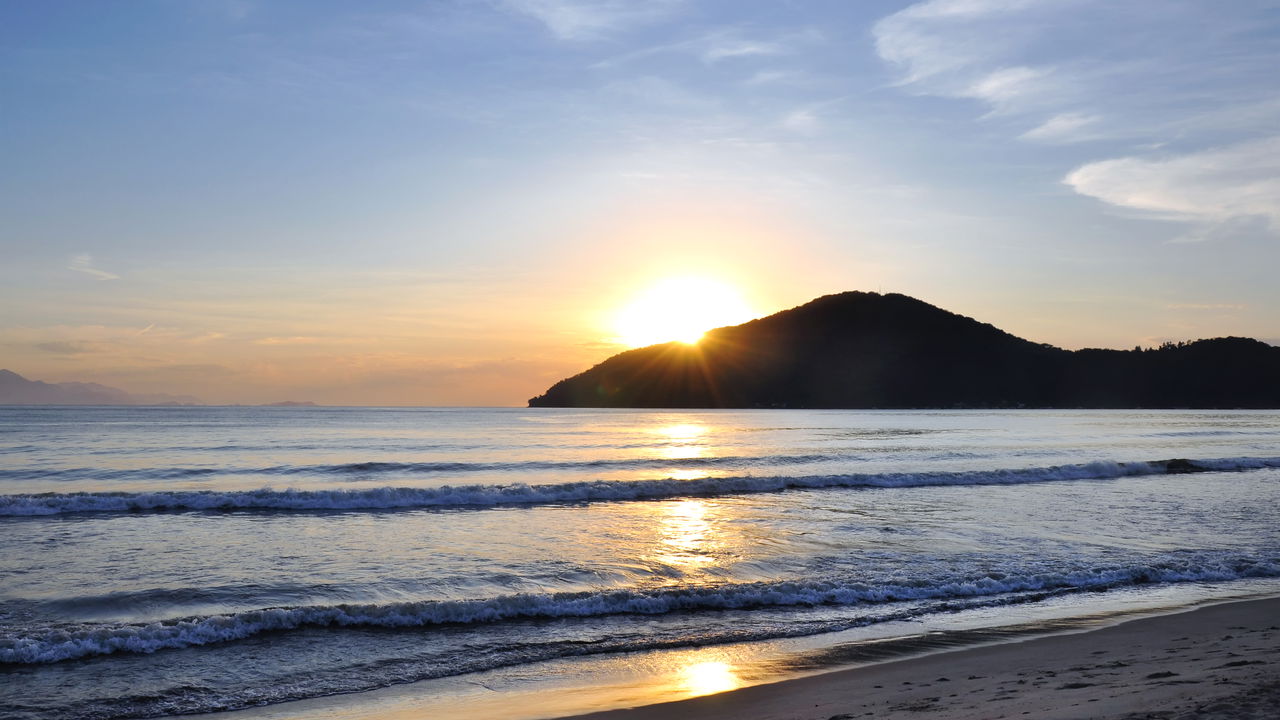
1153	74
938	38
1140	68
1006	86
767	77
1062	128
84	264
724	44
587	19
1218	185
804	120
740	48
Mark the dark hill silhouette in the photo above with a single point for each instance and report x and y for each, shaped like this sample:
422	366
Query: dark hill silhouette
866	350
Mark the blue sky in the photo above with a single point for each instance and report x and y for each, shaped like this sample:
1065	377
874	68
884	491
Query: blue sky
444	202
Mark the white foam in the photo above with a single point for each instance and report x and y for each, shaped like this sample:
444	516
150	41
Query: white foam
56	645
584	491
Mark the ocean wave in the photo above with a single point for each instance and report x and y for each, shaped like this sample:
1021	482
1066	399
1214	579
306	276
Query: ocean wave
59	644
391	498
372	467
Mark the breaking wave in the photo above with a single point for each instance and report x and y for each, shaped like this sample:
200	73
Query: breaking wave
68	643
389	498
407	468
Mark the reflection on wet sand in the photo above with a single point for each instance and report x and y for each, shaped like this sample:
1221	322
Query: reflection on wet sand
706	678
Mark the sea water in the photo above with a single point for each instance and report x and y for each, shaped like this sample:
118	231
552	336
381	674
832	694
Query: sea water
159	561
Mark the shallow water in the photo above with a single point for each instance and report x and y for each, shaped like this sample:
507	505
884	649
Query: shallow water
165	560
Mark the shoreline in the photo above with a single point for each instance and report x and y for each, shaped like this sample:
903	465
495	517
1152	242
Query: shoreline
1106	666
1215	661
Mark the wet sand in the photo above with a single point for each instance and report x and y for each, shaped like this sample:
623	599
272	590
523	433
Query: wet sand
1218	662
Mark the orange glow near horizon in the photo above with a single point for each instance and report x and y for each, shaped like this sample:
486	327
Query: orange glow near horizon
680	309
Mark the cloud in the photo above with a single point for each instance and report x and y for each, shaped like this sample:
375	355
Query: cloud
1134	69
70	347
1217	185
291	340
1062	128
1007	86
804	120
725	44
1151	74
741	48
587	19
766	77
1206	306
84	264
940	39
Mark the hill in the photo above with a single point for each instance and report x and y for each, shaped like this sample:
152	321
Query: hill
17	390
867	350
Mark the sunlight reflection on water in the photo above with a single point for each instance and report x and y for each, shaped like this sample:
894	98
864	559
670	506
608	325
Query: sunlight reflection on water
687	537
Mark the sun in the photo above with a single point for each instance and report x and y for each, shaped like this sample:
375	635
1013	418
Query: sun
680	309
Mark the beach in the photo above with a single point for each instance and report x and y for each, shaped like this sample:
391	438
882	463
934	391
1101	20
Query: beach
1215	662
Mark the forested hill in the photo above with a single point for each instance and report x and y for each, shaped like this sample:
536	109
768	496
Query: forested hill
867	350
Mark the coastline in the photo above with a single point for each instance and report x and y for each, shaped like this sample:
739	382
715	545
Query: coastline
1215	661
1112	671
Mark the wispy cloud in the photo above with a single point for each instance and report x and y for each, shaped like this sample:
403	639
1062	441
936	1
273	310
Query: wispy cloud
1217	185
72	347
1062	128
804	120
592	19
942	39
1007	88
1207	306
294	340
1148	66
1156	74
767	77
736	48
84	264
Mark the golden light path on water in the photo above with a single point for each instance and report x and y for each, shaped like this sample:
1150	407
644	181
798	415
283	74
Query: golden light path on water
685	441
687	538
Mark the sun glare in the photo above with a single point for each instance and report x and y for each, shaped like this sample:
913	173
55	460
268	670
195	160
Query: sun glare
680	309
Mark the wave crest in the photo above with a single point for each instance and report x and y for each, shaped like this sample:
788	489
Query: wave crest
55	645
391	498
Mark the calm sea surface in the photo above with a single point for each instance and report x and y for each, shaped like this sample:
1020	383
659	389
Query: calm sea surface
173	560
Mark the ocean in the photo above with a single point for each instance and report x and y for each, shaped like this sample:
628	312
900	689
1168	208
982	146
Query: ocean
162	561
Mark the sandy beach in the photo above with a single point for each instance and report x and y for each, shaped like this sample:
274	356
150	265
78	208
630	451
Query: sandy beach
1217	662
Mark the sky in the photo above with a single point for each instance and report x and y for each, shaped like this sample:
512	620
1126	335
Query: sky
448	202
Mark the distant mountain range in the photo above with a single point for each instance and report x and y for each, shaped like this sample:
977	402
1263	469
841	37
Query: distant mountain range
867	350
17	390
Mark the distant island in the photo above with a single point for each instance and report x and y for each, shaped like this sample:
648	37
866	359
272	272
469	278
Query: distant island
17	390
290	403
867	350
